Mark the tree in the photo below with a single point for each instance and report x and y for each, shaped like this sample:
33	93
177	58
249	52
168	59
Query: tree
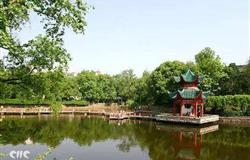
233	82
210	66
70	88
125	85
44	85
96	87
162	80
45	52
143	95
244	79
106	88
87	81
247	77
7	91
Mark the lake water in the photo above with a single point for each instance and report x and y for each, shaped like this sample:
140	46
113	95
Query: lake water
70	137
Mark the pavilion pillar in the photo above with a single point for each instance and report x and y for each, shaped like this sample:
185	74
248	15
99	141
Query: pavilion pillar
174	108
195	109
181	104
202	109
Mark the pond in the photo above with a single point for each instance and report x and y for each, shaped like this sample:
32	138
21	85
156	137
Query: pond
69	137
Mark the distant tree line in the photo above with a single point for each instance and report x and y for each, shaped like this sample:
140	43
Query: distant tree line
126	87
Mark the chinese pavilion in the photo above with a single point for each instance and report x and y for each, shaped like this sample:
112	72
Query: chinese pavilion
189	94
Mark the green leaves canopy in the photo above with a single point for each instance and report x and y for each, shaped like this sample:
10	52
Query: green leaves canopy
162	80
96	87
210	66
45	52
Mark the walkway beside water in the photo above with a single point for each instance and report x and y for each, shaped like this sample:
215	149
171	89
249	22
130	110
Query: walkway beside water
114	115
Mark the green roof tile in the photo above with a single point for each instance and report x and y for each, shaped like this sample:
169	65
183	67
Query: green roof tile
177	79
172	94
189	76
205	94
188	93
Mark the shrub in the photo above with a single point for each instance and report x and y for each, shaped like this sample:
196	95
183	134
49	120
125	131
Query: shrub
56	107
40	102
23	102
75	103
132	104
230	105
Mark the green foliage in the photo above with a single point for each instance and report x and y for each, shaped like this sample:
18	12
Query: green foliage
150	89
237	81
162	80
229	84
96	87
106	88
88	85
132	104
70	88
210	66
44	52
25	102
22	102
143	96
56	107
231	105
125	83
75	103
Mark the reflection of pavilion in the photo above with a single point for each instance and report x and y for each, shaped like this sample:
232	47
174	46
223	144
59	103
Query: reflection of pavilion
188	141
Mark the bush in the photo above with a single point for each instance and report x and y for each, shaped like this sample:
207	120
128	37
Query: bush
56	107
40	102
75	103
23	102
230	105
132	103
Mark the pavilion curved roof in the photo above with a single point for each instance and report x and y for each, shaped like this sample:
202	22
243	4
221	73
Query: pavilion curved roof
189	76
188	93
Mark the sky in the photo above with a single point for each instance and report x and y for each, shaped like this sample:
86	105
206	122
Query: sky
142	34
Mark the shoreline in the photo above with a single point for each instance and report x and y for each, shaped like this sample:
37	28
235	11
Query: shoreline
99	109
234	120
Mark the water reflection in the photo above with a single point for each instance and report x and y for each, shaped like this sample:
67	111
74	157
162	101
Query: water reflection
84	136
188	140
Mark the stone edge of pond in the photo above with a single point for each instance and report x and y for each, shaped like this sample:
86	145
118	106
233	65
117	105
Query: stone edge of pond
235	120
226	120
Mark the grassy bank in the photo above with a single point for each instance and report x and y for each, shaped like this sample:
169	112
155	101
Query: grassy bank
230	105
41	102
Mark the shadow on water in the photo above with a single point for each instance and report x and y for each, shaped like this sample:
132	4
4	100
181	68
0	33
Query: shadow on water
82	137
188	140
